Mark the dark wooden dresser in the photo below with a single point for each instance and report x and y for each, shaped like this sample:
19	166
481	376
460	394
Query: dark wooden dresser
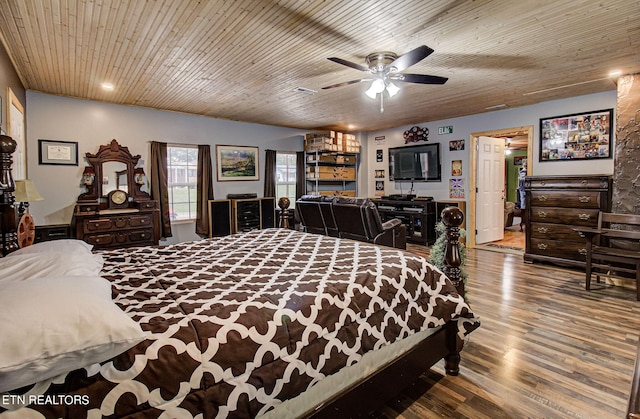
555	205
114	211
107	229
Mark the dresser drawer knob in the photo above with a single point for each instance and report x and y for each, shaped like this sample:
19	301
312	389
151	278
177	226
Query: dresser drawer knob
542	246
584	217
584	199
584	181
543	230
542	198
142	235
542	214
583	252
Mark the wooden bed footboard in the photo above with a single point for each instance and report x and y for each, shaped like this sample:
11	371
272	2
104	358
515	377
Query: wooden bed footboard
8	222
633	409
373	392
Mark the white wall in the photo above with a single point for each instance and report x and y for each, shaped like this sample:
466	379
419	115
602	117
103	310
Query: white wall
92	124
463	127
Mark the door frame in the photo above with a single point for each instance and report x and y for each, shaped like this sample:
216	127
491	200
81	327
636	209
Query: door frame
473	161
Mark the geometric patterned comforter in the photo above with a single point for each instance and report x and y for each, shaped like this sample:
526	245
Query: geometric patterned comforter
239	323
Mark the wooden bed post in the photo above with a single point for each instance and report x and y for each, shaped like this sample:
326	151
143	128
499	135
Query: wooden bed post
8	230
452	218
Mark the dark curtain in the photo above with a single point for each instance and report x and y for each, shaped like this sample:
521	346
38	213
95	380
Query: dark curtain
159	181
204	190
300	175
270	174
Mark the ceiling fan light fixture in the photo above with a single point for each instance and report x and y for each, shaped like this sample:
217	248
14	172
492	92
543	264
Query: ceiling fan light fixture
376	87
392	89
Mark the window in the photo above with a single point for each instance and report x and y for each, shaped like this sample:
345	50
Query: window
286	176
182	168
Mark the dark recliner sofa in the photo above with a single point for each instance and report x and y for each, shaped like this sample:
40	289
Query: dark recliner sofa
349	218
315	214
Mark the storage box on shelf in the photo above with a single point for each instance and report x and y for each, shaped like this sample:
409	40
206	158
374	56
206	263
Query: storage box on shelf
331	163
555	206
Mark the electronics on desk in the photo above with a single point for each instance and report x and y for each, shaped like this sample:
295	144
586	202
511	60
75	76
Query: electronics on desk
386	208
400	197
407	197
414	209
241	195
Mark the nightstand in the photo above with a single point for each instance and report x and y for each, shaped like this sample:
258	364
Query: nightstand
52	232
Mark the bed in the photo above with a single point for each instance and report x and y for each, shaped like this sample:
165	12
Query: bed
272	322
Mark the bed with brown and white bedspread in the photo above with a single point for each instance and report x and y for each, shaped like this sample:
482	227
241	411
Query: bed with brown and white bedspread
235	325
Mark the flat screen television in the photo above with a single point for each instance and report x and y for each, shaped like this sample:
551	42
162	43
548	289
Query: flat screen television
415	163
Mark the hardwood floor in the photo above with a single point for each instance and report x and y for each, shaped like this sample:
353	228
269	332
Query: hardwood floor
546	348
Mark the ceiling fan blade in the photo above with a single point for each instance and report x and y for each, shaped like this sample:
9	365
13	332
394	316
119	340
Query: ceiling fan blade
419	78
349	64
410	58
346	83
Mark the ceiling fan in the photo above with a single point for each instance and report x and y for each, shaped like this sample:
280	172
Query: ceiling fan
385	68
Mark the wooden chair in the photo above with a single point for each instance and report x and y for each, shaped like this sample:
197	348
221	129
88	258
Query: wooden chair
613	247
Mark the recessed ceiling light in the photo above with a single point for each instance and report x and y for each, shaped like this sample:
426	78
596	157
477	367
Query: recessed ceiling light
615	73
107	86
305	90
496	107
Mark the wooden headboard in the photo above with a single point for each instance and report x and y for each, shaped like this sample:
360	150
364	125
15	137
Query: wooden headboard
8	222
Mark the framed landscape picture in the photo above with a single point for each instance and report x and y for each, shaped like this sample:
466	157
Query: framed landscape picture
235	162
577	136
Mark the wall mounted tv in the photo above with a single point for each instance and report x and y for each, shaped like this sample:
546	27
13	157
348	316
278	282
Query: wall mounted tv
415	163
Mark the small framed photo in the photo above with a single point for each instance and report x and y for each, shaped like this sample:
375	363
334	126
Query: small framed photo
58	152
237	162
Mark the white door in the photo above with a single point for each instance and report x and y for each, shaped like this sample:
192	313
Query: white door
490	195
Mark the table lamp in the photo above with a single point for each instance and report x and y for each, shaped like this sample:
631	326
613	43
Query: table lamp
26	192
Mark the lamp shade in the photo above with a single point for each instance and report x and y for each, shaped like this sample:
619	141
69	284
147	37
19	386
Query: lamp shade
26	191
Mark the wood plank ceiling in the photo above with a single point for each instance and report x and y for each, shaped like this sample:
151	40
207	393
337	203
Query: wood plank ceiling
241	60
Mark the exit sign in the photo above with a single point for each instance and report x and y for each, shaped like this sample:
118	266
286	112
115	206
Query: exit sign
445	130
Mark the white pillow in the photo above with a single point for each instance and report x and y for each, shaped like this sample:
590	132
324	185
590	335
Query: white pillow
63	246
50	326
26	266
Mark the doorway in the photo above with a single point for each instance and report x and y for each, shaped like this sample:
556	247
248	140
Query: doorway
515	137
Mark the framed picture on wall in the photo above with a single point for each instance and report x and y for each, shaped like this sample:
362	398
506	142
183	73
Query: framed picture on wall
235	162
577	136
58	152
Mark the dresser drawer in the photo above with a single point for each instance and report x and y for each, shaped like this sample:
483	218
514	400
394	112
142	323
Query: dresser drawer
567	216
98	224
121	238
138	236
561	232
557	198
147	205
119	223
100	240
140	221
558	249
569	182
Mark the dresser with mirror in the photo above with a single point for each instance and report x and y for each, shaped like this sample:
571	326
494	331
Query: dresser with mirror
114	211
